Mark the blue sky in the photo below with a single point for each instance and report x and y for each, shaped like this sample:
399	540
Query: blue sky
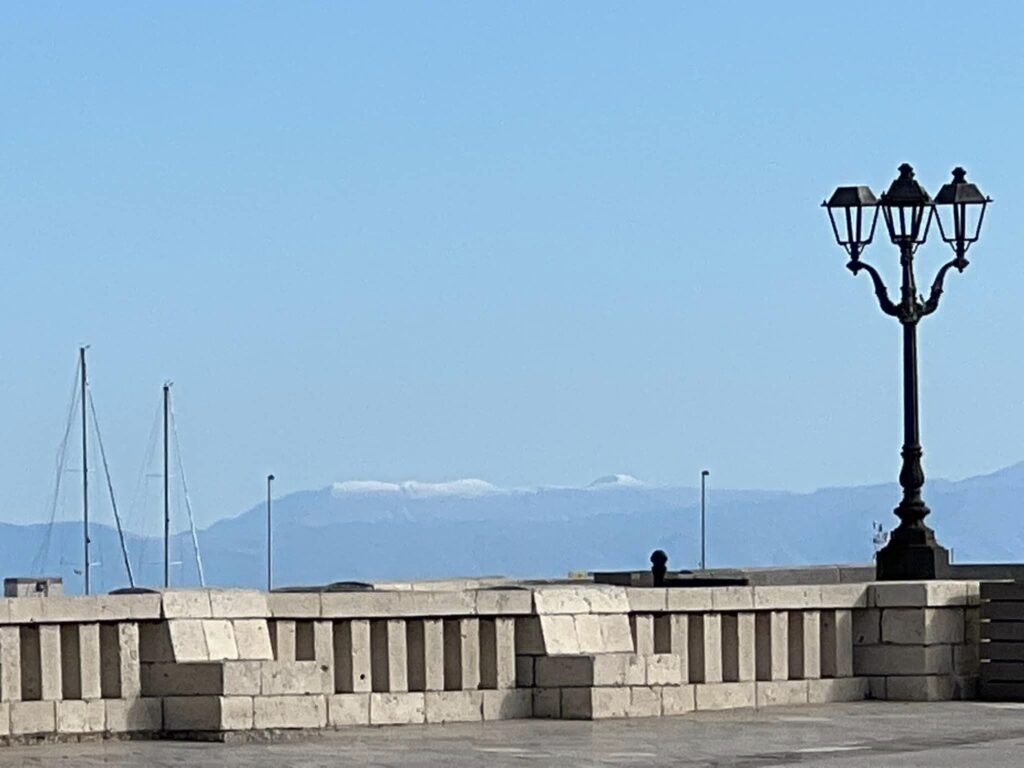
530	242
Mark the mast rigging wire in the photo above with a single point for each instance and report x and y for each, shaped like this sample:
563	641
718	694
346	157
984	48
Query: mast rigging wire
110	488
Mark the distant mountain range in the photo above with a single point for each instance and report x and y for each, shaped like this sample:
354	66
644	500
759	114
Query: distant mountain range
369	530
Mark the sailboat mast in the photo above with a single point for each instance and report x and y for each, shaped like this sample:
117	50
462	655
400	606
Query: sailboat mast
85	465
167	487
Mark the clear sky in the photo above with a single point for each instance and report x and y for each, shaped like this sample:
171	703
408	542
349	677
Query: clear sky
529	242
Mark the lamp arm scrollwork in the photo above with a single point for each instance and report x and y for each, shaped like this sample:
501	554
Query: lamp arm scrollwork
880	290
936	292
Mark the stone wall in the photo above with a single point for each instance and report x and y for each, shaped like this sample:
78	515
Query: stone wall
212	662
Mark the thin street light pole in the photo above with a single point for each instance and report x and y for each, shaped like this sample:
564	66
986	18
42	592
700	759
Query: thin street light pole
703	525
270	549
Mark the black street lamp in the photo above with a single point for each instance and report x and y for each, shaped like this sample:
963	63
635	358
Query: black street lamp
912	551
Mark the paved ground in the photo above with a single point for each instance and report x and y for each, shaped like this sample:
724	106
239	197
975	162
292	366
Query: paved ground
843	735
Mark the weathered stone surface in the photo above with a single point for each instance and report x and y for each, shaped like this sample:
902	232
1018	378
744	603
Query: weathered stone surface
580	599
33	717
725	695
529	637
503	602
238	604
188	640
920	688
559	634
397	708
689	600
89	672
664	669
252	638
185	604
163	679
644	701
81	716
593	703
642	630
677	700
867	626
922	594
348	709
732	598
846	596
51	669
547	702
923	626
606	669
524	672
155	642
289	712
885	660
771	693
290	678
220	639
507	704
647	600
133	715
294	605
787	597
10	664
453	706
208	713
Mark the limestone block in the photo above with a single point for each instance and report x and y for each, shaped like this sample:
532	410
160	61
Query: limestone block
425	642
140	607
397	656
89	671
595	703
208	713
133	715
603	633
128	659
689	600
547	703
838	689
352	655
507	704
188	640
348	709
503	602
772	645
725	696
283	639
967	659
460	602
26	610
805	645
664	669
155	642
845	596
397	708
770	693
876	688
505	653
290	678
10	664
606	599
462	654
162	679
323	653
524	672
5	718
642	626
360	605
923	626
706	648
238	604
787	597
732	599
453	706
563	600
921	594
647	600
605	669
252	637
886	660
79	716
294	605
185	604
677	700
50	666
972	626
867	626
920	688
220	639
530	637
644	701
33	717
289	711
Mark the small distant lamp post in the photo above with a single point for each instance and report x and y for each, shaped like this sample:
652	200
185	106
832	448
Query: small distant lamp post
912	551
270	549
703	527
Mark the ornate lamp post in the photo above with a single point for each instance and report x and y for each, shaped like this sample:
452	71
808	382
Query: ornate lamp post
912	551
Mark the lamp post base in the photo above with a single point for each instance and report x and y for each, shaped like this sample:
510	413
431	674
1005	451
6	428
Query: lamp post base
912	554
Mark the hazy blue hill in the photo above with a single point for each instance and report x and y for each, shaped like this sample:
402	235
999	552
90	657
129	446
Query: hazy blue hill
415	530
